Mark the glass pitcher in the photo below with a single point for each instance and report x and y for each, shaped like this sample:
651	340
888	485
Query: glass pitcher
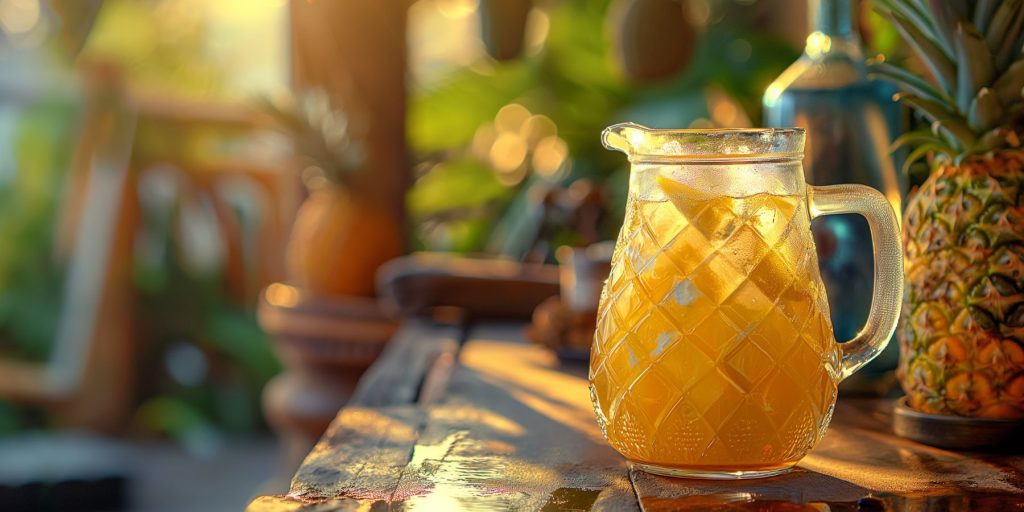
850	123
714	355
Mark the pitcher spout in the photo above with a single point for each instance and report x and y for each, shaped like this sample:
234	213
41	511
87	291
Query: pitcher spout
641	143
623	136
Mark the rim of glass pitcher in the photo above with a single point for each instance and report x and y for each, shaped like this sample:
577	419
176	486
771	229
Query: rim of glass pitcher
642	144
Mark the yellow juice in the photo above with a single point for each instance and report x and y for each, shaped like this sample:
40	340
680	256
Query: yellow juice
714	347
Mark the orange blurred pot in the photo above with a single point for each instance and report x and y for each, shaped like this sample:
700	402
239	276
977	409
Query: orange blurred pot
338	241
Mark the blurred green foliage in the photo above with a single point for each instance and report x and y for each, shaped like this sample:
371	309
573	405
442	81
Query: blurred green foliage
176	307
35	137
459	201
38	137
573	81
181	309
216	385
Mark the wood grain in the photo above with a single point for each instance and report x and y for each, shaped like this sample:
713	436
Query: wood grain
859	463
509	437
360	458
399	375
514	430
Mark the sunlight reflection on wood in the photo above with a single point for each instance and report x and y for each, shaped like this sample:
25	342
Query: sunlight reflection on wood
900	466
515	431
536	383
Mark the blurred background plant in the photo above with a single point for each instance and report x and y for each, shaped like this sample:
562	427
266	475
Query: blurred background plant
489	139
205	358
485	132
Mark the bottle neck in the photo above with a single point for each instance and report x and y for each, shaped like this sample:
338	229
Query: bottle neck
833	18
834	33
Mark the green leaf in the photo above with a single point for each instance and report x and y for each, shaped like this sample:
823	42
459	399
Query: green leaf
1007	48
960	9
939	65
941	13
917	17
975	70
452	185
943	121
913	138
1002	23
908	81
922	151
995	139
932	110
1010	85
985	112
236	333
983	13
446	115
176	417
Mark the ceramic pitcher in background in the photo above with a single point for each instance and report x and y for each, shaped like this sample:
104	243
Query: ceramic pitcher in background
714	355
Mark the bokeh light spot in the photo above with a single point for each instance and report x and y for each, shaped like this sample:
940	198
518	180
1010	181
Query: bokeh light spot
456	9
511	117
536	128
483	140
282	295
508	152
19	16
549	156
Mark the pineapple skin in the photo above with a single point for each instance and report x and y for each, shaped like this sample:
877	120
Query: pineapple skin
962	327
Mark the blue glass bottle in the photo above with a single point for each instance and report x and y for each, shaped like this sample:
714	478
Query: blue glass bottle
850	122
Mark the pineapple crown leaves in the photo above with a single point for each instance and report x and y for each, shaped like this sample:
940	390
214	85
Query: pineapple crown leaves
323	135
973	52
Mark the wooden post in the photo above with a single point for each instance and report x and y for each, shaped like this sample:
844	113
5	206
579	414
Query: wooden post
356	51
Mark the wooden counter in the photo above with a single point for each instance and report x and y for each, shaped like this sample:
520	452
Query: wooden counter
493	423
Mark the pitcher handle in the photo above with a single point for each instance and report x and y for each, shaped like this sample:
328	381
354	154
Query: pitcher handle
887	293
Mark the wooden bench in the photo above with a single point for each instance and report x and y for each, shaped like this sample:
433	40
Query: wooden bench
451	418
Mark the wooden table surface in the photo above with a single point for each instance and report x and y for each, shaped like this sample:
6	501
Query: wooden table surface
493	423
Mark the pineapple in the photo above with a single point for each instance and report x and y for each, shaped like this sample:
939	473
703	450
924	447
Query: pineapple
344	230
962	327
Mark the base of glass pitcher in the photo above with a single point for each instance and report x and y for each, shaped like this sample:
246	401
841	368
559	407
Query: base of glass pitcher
711	474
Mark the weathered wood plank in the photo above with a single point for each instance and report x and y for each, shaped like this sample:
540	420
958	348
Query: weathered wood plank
859	463
514	432
512	429
356	465
290	504
360	458
399	374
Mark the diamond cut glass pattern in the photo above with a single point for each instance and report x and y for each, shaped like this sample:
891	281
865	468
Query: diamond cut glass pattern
713	355
713	348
